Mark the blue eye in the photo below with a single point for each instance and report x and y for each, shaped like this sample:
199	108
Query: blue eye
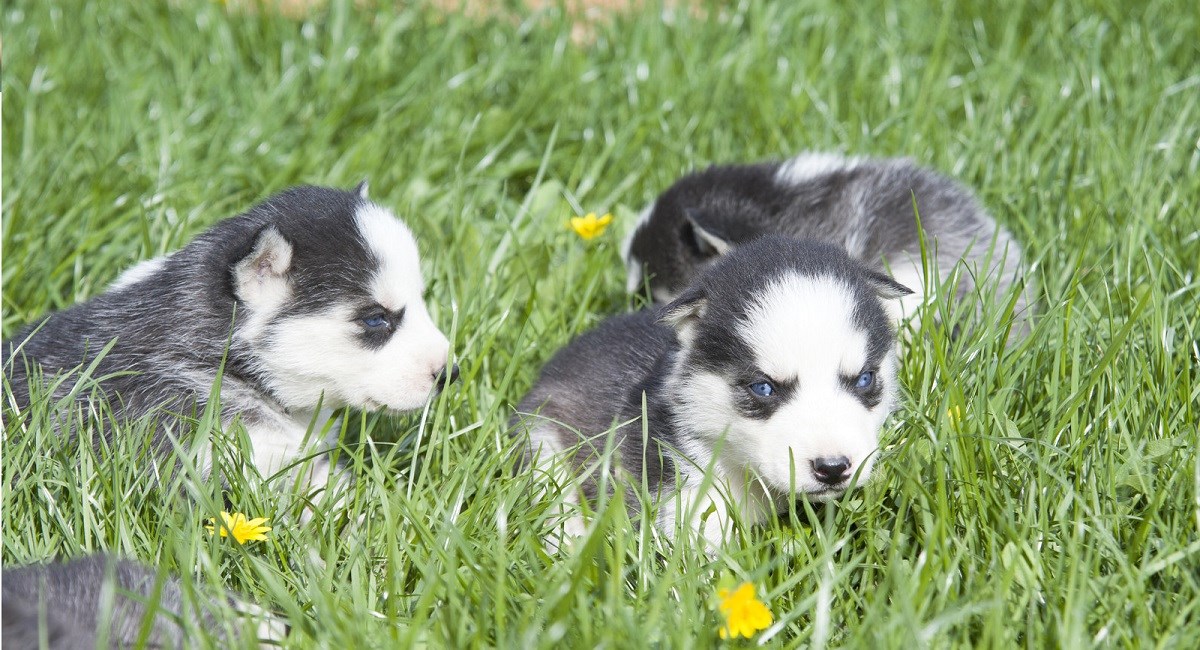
762	388
865	380
375	322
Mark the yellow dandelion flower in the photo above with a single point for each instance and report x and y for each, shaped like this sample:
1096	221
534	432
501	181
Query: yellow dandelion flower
590	226
744	612
240	527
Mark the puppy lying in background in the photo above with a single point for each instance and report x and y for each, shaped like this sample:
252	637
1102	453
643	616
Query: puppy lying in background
774	369
310	300
863	205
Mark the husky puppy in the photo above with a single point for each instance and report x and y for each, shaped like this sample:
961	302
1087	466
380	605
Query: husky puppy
774	369
311	299
75	604
863	205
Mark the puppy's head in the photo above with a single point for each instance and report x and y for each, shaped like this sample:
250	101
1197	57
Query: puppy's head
330	303
696	221
787	363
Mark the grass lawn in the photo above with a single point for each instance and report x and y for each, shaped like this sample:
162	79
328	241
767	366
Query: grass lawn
1041	495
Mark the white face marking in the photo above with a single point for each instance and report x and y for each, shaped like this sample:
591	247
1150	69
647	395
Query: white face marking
801	330
811	164
322	354
398	280
799	324
633	266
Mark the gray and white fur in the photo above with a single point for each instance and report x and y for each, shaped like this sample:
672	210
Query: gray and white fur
863	205
74	605
311	299
774	369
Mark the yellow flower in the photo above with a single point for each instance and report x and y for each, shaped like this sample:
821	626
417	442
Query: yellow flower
744	613
240	527
955	414
589	225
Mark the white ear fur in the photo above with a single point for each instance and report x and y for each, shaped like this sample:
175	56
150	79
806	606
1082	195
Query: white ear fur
718	245
261	276
683	314
362	189
706	240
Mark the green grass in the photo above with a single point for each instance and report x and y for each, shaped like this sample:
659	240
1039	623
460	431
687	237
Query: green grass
1062	512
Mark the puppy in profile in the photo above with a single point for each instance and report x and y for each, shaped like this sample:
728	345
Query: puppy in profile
863	205
311	300
768	378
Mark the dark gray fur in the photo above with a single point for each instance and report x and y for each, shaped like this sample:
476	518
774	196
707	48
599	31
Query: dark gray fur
66	601
862	205
173	326
600	378
597	381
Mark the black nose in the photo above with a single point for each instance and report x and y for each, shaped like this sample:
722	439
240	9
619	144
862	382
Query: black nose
444	378
831	470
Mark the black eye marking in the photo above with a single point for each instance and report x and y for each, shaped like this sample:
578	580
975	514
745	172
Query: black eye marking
867	386
377	324
758	396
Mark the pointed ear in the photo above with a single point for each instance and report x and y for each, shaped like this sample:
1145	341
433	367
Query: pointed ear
261	276
885	287
707	241
684	313
361	189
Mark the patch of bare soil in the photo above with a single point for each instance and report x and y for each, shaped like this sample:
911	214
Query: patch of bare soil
585	14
